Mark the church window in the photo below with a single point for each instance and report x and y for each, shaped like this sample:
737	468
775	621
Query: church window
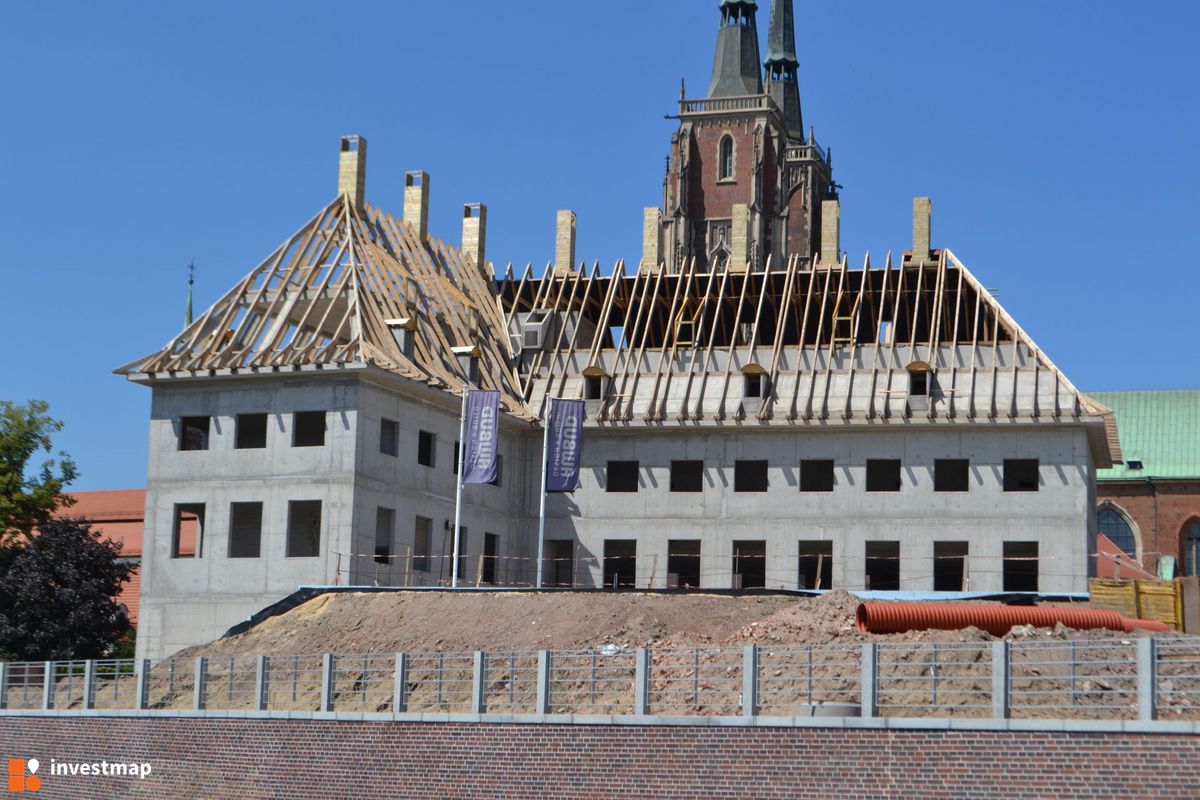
1116	527
725	158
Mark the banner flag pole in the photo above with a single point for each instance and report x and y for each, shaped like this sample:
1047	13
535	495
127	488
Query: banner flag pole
542	512
458	479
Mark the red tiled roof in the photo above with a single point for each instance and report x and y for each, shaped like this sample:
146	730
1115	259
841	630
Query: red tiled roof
119	515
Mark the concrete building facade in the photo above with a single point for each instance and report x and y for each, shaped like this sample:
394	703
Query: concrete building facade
768	418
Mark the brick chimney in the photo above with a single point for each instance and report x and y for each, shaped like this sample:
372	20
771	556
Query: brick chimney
922	231
474	233
651	238
352	168
739	238
831	232
564	241
416	201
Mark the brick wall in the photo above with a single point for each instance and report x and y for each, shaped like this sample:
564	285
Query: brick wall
194	757
1160	511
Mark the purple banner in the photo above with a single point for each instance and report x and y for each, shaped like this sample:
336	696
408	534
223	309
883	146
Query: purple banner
565	432
482	436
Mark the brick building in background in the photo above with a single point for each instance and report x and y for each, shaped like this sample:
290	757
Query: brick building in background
1150	505
118	515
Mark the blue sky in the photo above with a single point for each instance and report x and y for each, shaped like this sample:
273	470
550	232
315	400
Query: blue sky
1058	141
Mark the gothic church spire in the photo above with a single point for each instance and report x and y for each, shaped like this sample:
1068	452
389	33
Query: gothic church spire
782	67
735	65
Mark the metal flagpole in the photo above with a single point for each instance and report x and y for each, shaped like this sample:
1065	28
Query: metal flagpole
542	513
462	446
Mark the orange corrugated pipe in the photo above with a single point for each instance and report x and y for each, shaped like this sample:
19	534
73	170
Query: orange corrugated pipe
996	620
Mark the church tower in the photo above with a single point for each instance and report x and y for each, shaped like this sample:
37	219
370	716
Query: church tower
743	183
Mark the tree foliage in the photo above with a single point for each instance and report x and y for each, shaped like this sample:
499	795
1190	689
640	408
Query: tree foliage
56	594
29	497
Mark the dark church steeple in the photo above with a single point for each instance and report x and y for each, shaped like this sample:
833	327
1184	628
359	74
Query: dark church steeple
735	65
782	67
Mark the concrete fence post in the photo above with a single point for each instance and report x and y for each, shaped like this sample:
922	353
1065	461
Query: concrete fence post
328	678
641	682
3	685
48	686
1001	679
1147	679
200	685
89	683
400	685
870	680
479	684
544	667
262	682
750	681
142	687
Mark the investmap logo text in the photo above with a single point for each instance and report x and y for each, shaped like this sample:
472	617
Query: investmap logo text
22	775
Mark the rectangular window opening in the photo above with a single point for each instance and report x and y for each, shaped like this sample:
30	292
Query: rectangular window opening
593	387
750	476
621	476
1020	567
389	437
754	385
816	565
187	537
560	562
687	476
1021	475
308	429
251	431
193	433
422	533
750	564
304	529
463	540
883	566
245	530
425	448
951	475
683	564
816	475
385	525
491	555
950	566
883	474
620	562
457	455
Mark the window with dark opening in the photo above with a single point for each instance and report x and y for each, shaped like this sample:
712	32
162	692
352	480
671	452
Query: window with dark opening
251	431
593	387
816	565
1191	548
725	159
683	563
620	562
193	433
457	455
187	533
422	532
1020	474
308	429
304	529
245	530
950	566
560	562
687	476
1116	527
425	442
750	476
750	564
389	437
754	384
883	566
883	474
621	476
951	475
491	555
385	526
918	383
463	537
816	475
1020	566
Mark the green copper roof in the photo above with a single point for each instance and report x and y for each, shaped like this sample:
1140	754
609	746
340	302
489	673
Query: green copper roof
781	38
1159	429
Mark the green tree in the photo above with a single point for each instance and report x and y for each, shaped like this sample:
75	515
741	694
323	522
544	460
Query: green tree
29	497
57	592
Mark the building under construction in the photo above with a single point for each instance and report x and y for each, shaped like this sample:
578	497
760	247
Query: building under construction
760	412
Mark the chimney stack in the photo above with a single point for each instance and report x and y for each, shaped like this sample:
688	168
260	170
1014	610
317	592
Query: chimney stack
416	201
474	233
352	169
922	233
739	238
831	232
651	238
564	241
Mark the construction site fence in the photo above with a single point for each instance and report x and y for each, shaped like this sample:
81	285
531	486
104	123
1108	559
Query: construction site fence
1135	678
